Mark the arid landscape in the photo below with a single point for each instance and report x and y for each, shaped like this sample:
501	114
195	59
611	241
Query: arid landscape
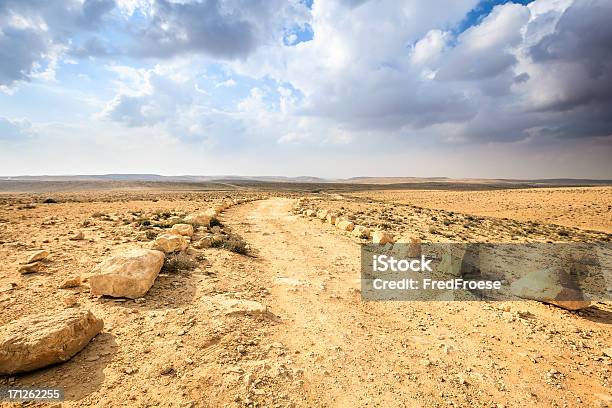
262	306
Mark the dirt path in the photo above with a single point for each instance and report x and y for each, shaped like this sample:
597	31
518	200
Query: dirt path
356	353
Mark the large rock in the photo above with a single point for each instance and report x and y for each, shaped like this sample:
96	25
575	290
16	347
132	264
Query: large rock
382	238
361	232
322	214
199	219
38	256
346	225
169	243
185	230
128	275
40	340
555	287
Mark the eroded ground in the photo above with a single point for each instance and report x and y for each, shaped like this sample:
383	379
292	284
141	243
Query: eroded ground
321	345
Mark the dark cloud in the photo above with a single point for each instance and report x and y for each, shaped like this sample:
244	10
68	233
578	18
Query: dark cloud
579	51
19	51
24	48
178	28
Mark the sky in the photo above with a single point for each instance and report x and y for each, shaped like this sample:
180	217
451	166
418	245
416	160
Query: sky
328	88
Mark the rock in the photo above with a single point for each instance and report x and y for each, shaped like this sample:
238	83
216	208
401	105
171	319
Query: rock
409	247
30	268
218	239
40	340
361	232
310	213
185	230
77	236
130	274
199	219
555	287
382	238
212	212
331	219
38	256
231	306
50	201
322	214
169	243
72	282
204	242
70	301
346	225
607	352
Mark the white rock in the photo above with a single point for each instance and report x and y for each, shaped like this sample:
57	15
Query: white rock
361	232
185	230
322	214
40	340
199	219
169	243
550	286
130	274
331	219
346	225
382	238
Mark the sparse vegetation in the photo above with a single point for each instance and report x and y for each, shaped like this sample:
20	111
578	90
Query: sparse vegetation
179	262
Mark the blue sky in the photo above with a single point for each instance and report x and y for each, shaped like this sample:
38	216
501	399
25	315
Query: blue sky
332	88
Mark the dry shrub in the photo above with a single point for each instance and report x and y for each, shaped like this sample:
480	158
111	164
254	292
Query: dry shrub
179	262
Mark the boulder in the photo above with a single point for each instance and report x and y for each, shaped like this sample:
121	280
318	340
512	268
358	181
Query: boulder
30	268
382	238
322	214
169	243
185	230
346	225
130	274
310	213
331	219
199	219
555	287
212	212
361	232
38	256
40	340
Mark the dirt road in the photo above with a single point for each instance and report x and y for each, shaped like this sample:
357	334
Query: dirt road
348	352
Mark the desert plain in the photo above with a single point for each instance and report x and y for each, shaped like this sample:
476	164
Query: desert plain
268	312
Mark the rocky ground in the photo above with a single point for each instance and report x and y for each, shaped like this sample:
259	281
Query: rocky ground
583	207
283	324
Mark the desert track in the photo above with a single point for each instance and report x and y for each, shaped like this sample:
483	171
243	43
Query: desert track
355	353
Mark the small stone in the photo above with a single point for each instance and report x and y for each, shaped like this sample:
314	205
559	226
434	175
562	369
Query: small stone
30	268
78	236
72	282
38	256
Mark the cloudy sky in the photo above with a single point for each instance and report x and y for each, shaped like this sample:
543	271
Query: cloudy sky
331	88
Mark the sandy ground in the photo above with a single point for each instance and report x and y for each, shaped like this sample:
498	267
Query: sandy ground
582	207
320	345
